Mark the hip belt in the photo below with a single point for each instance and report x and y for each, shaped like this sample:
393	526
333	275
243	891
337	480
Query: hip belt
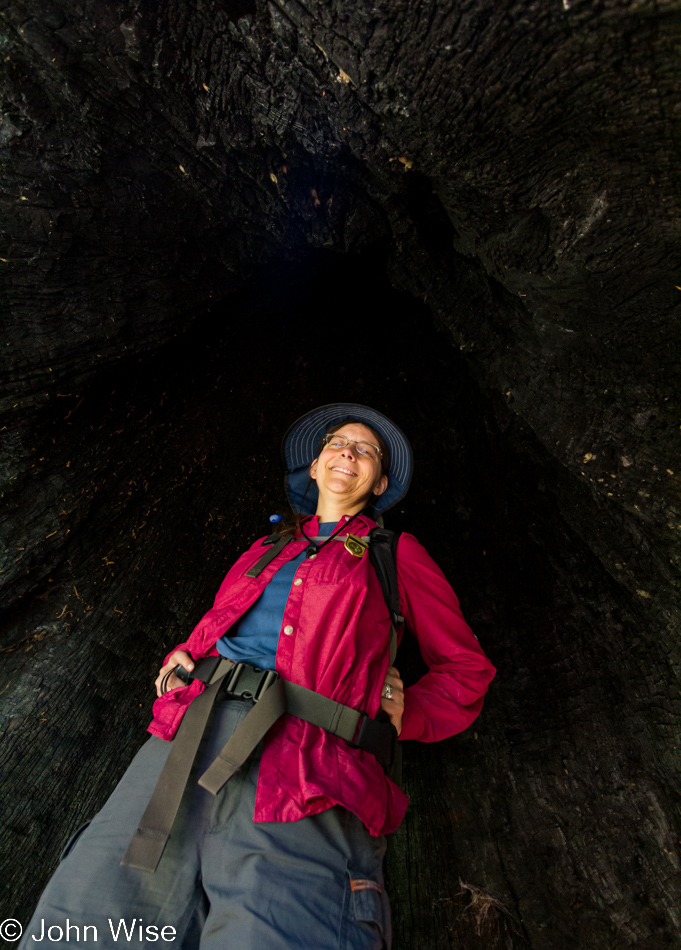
273	696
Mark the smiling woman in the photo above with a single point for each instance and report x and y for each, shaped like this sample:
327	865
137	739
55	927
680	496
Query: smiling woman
348	470
263	822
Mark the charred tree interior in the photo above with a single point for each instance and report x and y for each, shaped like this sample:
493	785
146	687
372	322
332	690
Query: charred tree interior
217	214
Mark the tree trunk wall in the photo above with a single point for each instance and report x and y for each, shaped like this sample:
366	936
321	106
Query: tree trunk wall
218	214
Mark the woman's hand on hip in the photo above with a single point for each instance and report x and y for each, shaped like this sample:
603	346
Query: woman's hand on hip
179	658
393	702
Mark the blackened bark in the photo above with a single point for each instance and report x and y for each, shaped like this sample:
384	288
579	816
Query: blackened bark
200	203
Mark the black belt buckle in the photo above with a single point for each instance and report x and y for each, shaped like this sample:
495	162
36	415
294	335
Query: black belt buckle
248	682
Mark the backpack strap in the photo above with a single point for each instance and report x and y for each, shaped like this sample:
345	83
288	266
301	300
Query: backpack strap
277	546
383	556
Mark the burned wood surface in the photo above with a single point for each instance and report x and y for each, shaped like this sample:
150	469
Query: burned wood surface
217	214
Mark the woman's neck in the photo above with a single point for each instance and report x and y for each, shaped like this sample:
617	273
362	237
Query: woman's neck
328	512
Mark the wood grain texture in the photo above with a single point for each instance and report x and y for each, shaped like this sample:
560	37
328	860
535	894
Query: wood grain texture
218	213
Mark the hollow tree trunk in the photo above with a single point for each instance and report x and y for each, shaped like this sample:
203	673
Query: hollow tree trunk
202	203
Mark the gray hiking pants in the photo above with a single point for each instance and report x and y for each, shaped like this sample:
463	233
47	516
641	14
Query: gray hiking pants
224	882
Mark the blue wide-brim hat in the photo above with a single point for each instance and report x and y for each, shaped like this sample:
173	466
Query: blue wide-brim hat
300	444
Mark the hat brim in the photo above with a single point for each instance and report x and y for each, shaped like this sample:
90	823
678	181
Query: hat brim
299	448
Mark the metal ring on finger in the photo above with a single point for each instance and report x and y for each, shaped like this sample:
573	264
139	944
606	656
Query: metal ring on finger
388	691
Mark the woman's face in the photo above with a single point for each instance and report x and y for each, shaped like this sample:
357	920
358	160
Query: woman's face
344	474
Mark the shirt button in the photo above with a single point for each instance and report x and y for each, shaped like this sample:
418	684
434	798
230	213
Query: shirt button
297	582
288	630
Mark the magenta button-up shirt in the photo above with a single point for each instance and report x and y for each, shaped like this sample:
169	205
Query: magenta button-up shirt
334	639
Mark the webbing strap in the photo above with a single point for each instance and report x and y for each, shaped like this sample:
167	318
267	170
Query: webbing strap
393	643
281	697
321	711
383	556
268	556
377	736
323	537
271	705
147	844
145	850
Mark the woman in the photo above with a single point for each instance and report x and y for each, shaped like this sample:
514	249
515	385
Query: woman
286	850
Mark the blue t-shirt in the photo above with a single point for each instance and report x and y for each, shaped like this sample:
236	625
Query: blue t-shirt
255	636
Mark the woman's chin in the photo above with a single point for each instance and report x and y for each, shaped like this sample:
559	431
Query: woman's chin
340	485
340	491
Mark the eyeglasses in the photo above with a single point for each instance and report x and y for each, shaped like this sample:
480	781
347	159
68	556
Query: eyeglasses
367	449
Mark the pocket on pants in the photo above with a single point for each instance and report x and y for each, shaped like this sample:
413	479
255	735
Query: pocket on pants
367	924
71	843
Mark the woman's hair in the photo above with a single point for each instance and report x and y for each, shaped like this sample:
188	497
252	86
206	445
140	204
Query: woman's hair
292	523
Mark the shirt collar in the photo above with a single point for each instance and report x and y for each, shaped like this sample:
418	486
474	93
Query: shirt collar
360	525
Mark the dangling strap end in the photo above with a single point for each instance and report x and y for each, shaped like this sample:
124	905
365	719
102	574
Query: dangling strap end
145	850
213	783
268	556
